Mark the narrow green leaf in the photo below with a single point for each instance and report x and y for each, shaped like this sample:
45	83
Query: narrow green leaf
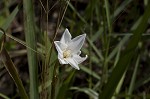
98	52
90	72
121	7
96	35
13	72
6	60
125	59
81	18
2	37
11	17
118	88
108	15
3	96
30	37
132	83
93	94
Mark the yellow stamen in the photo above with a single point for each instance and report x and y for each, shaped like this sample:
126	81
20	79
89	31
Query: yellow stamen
66	53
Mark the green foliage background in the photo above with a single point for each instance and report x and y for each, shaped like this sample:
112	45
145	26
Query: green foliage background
117	45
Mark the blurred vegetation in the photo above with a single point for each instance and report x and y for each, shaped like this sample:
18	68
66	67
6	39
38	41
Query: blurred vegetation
117	45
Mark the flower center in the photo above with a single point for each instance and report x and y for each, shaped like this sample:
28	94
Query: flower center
66	53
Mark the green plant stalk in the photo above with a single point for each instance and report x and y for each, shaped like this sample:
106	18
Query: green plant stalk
48	56
46	44
54	82
105	67
31	42
125	58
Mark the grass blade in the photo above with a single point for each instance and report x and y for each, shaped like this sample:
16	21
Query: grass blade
93	94
10	67
90	72
108	16
132	83
10	18
2	37
31	42
125	59
121	8
13	72
98	52
4	96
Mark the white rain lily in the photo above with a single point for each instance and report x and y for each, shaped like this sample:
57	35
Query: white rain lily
69	49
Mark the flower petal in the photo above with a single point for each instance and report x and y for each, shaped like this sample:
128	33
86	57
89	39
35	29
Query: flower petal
61	59
73	63
79	59
76	43
60	46
66	37
78	53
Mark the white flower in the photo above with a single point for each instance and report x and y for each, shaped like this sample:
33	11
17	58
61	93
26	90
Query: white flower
69	49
